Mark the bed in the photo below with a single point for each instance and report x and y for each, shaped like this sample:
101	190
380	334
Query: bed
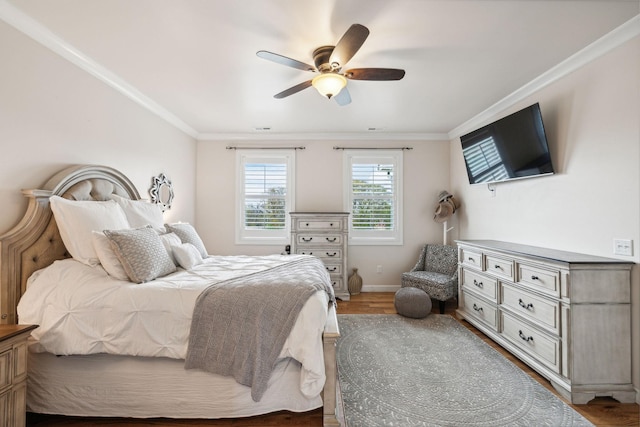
118	363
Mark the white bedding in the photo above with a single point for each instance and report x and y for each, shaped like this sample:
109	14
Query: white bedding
82	310
103	385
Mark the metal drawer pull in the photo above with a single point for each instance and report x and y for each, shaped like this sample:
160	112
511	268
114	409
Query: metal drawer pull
307	224
497	267
525	306
332	269
527	339
333	254
478	284
307	253
476	308
304	239
330	224
471	259
535	278
331	240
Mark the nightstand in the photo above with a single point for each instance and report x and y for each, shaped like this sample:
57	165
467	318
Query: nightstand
13	374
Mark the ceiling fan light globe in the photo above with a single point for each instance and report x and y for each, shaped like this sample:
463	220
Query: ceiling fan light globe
329	84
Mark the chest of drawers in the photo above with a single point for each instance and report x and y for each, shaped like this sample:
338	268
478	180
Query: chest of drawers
13	374
324	235
567	315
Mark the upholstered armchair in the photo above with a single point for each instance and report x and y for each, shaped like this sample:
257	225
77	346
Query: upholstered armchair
436	273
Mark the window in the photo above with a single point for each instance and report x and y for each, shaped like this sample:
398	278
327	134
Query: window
264	196
373	196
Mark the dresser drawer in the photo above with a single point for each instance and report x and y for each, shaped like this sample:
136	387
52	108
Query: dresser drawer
481	310
471	258
323	253
539	278
500	266
538	310
336	281
480	283
543	347
319	224
333	269
308	239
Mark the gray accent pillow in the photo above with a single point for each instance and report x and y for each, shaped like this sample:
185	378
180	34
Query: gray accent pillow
188	234
141	253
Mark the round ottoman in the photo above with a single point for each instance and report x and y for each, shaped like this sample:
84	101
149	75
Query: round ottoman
412	302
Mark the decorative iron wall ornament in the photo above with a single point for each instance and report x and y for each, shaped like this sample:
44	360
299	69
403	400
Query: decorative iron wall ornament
161	191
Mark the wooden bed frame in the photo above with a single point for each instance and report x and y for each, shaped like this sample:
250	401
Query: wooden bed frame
35	243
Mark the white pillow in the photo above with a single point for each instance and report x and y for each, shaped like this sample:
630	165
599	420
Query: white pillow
140	213
187	255
108	257
77	219
188	234
169	240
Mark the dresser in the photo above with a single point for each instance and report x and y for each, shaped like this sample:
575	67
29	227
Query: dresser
566	315
324	235
13	374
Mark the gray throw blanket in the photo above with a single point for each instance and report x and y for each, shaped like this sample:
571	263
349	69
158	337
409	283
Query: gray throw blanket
239	326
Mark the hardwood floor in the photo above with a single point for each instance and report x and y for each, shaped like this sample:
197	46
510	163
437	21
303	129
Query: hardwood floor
603	412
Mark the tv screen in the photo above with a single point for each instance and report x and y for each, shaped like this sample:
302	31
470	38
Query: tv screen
513	147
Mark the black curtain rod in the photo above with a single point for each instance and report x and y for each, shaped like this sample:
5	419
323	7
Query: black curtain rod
265	148
373	148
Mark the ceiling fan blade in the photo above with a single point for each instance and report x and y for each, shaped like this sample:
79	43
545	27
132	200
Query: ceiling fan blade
294	89
374	74
270	56
343	98
348	45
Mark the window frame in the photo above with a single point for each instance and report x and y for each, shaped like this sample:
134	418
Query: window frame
374	237
264	237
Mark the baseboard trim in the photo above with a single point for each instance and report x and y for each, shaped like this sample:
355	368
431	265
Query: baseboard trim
380	288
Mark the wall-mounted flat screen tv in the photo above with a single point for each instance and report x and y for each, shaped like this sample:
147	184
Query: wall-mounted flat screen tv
513	147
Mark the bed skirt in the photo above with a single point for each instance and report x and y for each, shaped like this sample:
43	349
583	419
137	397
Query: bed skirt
143	387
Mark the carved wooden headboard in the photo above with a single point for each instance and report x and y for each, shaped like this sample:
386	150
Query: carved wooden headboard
35	242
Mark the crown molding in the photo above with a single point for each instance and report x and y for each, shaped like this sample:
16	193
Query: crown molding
38	32
30	27
603	45
324	136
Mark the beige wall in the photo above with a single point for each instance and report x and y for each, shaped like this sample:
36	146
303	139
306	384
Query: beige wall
319	188
52	115
592	118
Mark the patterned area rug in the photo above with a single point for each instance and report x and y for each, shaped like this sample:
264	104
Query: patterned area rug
396	371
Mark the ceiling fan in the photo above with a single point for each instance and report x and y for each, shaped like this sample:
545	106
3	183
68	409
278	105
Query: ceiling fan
329	60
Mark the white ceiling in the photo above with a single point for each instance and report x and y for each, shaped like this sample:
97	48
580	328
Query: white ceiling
195	61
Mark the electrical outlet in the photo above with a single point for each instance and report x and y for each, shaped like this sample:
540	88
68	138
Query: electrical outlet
623	247
379	269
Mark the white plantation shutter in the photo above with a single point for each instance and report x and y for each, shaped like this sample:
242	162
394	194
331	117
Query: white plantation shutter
265	196
373	196
265	191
